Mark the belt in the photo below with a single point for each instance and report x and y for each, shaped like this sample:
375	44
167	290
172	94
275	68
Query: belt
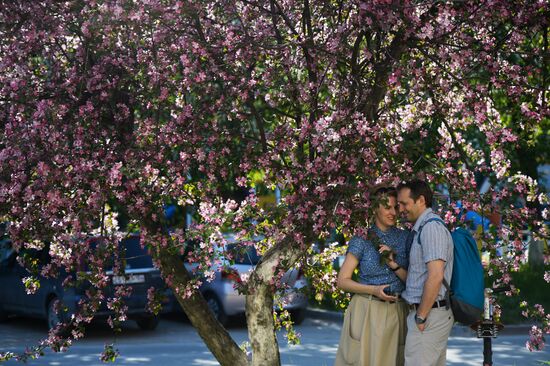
372	297
437	304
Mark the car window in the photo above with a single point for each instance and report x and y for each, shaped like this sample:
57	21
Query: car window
35	257
136	256
6	249
243	254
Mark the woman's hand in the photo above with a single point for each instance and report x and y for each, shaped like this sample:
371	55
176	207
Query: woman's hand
379	292
390	262
390	255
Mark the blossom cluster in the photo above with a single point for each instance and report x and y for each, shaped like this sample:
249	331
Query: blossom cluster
112	110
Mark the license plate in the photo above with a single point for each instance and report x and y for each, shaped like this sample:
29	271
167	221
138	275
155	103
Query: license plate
124	280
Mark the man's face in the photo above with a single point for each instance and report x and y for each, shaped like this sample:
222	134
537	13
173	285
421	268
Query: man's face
408	207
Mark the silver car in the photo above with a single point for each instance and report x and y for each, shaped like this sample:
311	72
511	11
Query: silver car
222	296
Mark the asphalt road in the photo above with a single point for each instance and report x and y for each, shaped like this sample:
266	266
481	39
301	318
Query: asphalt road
175	343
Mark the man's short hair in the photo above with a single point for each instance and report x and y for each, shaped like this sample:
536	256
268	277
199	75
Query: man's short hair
418	188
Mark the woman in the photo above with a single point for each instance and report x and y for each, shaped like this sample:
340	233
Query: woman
375	322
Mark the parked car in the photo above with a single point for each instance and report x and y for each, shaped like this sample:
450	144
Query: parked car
139	273
223	298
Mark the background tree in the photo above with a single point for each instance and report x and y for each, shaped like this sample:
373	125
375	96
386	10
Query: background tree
137	105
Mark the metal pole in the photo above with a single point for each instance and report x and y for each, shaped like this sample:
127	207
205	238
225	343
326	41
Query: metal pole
487	352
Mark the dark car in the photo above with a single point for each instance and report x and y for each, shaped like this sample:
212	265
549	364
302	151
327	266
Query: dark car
139	273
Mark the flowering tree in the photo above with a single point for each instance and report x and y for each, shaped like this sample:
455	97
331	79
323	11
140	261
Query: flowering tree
137	105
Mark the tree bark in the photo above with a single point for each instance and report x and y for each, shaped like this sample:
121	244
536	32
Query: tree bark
536	254
383	69
214	335
259	304
261	328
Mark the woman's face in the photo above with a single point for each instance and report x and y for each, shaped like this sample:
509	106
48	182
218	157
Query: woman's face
385	215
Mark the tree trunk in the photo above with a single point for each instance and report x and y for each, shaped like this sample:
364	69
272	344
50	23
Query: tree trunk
259	303
214	335
536	254
261	328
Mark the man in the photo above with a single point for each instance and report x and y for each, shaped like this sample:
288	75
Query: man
430	318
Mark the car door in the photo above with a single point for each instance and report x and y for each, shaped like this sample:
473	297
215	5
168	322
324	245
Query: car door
8	276
139	273
32	303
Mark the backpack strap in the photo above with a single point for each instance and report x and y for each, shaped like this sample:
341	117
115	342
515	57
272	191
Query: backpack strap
437	219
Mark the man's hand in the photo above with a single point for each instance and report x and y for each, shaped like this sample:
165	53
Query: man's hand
420	322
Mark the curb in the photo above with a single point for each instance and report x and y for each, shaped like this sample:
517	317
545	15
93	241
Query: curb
322	314
457	331
512	329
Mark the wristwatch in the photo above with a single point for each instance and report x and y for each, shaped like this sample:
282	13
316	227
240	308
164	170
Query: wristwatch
419	319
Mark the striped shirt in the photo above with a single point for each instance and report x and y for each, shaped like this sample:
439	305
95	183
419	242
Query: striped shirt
436	244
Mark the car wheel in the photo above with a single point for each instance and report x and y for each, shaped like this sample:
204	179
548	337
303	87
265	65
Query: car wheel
298	316
148	322
216	307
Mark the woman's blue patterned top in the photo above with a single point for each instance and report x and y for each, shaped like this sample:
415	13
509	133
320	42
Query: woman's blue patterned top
371	272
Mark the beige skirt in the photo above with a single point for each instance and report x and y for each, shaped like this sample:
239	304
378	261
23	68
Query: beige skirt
374	333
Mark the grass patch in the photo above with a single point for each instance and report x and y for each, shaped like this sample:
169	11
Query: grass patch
533	289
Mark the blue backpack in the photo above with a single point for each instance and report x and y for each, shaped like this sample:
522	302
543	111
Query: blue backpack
466	290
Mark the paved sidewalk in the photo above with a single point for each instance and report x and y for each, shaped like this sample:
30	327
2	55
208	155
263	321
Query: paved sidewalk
458	330
464	348
176	343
